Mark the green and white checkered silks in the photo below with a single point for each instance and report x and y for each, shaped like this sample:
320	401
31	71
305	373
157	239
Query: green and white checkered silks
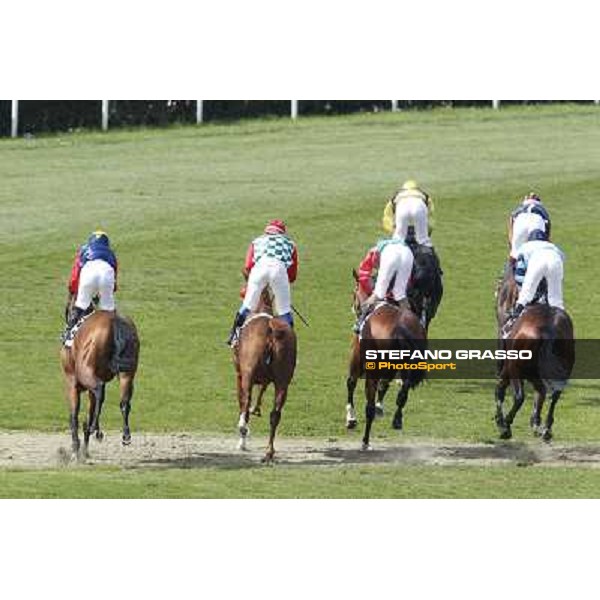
274	246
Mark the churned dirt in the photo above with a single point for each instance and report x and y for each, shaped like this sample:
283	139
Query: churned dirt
33	450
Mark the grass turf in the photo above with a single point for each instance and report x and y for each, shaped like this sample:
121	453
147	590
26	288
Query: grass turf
182	204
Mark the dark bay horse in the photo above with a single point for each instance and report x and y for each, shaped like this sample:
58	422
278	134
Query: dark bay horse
548	333
425	288
264	354
105	346
386	322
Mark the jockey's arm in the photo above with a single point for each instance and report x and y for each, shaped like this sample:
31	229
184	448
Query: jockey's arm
74	278
389	217
365	271
510	222
249	262
293	268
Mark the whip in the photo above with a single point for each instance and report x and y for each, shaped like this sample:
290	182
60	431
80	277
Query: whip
300	316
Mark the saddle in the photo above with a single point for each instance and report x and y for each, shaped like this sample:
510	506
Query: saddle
370	311
69	336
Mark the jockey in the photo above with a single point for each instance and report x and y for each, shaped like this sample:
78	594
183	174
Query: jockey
271	260
410	207
391	259
538	259
94	272
527	217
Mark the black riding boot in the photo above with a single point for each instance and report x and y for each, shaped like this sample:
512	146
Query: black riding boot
240	317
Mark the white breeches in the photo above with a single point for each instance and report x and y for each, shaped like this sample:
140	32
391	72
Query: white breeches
523	225
268	272
548	264
396	259
96	277
412	211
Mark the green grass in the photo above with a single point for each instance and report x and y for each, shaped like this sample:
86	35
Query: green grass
306	482
182	204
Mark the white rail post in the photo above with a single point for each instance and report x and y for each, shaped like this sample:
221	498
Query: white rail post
14	118
596	101
394	105
294	109
105	115
199	111
495	104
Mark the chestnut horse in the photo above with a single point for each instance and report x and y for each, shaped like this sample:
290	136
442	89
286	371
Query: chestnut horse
548	333
386	322
264	354
105	346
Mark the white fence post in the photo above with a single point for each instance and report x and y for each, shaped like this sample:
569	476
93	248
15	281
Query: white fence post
14	118
394	105
495	104
596	101
105	115
294	109
199	111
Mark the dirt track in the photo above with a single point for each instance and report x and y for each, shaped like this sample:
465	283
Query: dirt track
34	450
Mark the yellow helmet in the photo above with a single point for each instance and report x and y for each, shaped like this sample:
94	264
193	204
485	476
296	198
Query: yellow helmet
410	184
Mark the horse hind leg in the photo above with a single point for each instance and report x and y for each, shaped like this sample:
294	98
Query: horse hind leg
88	427
382	388
519	397
401	399
370	391
74	401
500	394
351	420
535	421
126	392
547	430
244	390
275	418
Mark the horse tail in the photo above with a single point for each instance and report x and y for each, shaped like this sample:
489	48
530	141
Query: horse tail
553	358
409	342
125	356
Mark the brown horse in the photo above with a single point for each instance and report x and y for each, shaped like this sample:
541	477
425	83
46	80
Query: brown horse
387	322
548	333
265	353
106	345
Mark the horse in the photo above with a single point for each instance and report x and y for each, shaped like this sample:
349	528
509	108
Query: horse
548	333
104	347
265	354
386	322
425	288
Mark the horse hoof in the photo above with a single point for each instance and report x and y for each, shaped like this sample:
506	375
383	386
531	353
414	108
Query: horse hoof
397	423
366	447
547	435
256	412
126	441
267	459
99	436
506	434
351	424
242	445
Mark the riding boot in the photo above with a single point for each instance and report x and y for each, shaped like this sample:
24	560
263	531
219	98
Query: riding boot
240	317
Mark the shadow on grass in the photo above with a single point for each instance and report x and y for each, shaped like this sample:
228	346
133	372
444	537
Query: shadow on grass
518	454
